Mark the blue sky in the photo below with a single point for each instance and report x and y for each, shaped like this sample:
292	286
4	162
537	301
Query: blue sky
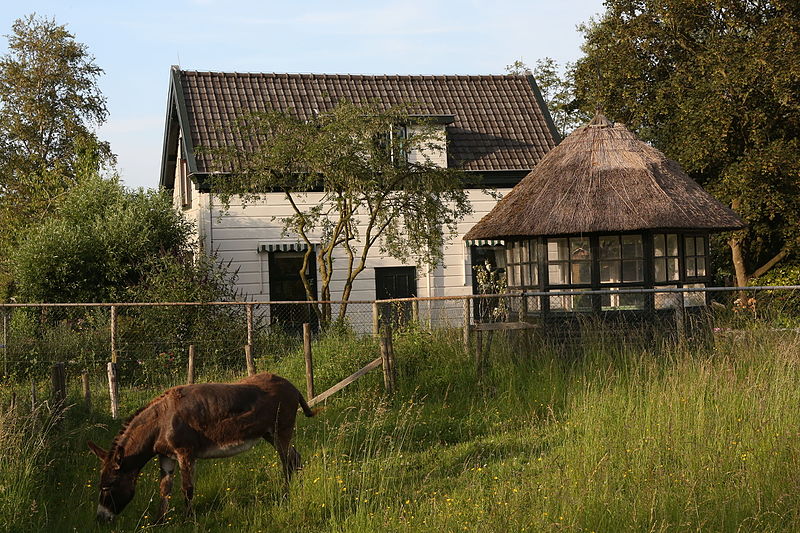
136	42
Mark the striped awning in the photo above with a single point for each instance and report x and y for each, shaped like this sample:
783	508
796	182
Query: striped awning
486	242
282	246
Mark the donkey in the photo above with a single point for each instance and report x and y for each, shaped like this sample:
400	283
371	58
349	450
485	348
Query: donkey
202	421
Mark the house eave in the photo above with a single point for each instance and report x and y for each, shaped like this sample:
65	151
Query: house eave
176	127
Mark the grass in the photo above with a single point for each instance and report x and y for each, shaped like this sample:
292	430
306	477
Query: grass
619	438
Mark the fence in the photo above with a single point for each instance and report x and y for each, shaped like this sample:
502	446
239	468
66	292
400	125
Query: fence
138	344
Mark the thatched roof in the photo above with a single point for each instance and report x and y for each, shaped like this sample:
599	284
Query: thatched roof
602	178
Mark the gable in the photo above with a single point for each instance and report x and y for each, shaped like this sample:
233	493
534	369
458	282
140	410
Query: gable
500	123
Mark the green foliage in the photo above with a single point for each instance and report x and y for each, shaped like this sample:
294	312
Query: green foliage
49	106
373	193
101	244
716	86
557	90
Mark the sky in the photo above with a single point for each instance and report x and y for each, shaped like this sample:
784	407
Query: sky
135	43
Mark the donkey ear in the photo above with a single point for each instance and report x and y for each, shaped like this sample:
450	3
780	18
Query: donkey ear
97	450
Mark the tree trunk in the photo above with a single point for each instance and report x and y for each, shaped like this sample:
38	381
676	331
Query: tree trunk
737	254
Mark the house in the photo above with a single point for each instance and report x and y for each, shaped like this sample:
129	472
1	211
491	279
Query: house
606	211
496	127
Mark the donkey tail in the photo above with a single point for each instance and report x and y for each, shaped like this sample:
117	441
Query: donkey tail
304	405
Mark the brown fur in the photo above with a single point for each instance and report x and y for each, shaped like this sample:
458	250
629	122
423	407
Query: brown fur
196	421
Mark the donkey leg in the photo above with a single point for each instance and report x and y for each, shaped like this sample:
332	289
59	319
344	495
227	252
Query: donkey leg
290	459
186	464
167	469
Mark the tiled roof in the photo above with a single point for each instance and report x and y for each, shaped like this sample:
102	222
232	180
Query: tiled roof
498	125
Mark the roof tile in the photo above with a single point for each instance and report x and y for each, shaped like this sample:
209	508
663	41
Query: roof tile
498	123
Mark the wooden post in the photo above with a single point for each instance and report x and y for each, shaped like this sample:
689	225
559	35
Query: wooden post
415	311
479	353
680	320
390	352
113	389
58	380
190	369
467	305
375	319
309	361
87	391
114	334
5	342
249	324
387	376
523	306
33	394
248	357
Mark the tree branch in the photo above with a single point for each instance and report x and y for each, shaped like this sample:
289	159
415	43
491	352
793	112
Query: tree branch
763	269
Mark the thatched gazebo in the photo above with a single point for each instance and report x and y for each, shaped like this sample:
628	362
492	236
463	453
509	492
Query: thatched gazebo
605	211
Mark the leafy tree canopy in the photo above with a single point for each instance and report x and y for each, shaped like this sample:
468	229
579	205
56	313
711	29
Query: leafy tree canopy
557	91
49	105
105	243
715	84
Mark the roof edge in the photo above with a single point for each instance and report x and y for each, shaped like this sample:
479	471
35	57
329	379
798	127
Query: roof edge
177	104
545	110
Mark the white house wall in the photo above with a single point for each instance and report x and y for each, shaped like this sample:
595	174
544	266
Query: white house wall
436	153
235	236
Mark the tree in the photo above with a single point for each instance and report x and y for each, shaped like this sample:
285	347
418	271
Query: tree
102	243
715	84
376	172
49	104
557	91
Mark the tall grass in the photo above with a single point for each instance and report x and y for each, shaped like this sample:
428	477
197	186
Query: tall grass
25	442
609	436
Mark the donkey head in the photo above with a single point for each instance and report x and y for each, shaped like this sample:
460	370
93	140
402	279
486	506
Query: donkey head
116	485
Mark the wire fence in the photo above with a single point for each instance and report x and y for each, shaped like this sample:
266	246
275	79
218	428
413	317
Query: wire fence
150	342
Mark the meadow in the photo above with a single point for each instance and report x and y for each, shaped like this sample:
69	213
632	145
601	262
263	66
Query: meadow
616	436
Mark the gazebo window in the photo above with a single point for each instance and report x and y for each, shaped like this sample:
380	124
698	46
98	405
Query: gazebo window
523	264
621	259
665	262
569	261
695	256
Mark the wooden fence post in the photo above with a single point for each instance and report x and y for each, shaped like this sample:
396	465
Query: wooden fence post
248	357
309	361
375	319
113	389
479	353
58	380
467	305
33	394
5	342
387	369
190	369
249	309
680	320
114	334
390	351
87	391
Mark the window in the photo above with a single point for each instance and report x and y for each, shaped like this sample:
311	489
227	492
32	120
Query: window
665	253
569	261
393	142
621	259
523	265
695	248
